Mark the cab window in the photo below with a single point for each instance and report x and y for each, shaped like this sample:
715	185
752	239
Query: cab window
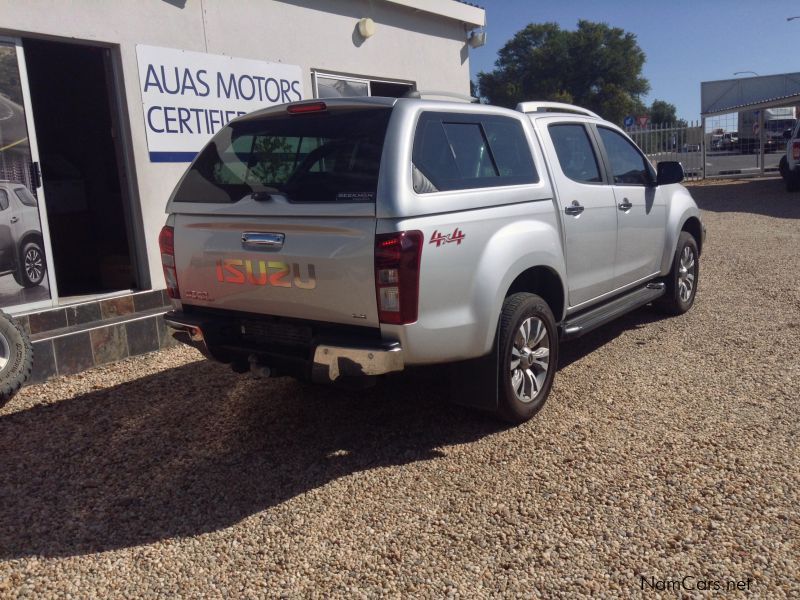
628	166
3	200
575	152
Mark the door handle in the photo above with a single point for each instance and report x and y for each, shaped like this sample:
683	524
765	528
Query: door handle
263	240
625	204
574	209
14	219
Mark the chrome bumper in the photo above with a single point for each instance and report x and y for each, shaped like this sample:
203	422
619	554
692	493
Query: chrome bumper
330	361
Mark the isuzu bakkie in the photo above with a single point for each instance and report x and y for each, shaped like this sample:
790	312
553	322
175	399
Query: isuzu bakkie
342	239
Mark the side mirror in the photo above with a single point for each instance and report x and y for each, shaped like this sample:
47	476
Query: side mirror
669	171
787	135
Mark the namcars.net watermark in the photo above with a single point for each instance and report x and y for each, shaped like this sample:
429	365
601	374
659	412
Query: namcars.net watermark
693	583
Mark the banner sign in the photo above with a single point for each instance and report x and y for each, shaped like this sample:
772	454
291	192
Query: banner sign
188	96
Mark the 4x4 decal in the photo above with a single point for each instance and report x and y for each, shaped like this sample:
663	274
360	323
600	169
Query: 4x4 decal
447	238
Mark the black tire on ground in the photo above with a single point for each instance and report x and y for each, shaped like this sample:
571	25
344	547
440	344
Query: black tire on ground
527	355
683	278
16	357
32	266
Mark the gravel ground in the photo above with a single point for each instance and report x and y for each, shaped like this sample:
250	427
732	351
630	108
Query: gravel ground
667	450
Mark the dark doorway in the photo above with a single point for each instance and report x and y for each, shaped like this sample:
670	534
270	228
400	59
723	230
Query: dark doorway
80	160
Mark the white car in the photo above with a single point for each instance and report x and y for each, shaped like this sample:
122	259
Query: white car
21	244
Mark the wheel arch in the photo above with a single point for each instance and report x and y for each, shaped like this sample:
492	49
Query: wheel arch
542	281
693	226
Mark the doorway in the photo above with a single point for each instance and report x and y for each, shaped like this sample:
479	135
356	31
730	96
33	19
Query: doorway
73	100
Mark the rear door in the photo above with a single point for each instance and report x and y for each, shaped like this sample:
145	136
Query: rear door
277	216
641	209
588	211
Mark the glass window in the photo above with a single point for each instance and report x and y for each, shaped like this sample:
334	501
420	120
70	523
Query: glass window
510	148
25	196
331	87
457	151
3	200
470	150
329	156
628	166
575	153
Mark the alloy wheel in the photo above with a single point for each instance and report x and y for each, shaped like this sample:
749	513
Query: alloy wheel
530	359
34	265
687	272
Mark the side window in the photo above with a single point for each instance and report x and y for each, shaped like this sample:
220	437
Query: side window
628	166
575	153
3	200
457	151
25	196
510	149
471	150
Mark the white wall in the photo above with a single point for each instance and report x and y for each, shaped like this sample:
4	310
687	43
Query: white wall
314	34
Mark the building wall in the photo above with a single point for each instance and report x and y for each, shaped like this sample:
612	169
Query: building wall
314	34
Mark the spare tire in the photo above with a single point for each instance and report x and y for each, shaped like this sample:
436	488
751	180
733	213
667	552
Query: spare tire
16	357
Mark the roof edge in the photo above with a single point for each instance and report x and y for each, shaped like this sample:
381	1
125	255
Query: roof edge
465	13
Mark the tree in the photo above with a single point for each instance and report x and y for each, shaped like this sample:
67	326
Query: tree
596	66
664	113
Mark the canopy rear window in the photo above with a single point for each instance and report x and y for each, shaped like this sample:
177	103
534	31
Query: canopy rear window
329	156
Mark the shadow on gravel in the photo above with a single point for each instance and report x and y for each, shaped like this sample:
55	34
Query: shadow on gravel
197	448
766	197
573	351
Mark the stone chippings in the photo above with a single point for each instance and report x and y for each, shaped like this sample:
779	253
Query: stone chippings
667	449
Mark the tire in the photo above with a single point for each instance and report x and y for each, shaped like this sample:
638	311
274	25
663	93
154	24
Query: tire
16	358
32	266
683	277
528	330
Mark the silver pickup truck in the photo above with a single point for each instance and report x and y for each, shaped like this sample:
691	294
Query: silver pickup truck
343	239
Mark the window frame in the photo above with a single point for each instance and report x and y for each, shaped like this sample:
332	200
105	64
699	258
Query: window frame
593	143
477	183
607	159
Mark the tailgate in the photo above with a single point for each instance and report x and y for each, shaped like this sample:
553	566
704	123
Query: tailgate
322	271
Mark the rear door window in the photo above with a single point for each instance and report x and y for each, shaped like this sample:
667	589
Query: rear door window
456	151
25	196
3	200
330	156
576	156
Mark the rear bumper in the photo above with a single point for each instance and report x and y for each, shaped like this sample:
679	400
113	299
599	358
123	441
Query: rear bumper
326	359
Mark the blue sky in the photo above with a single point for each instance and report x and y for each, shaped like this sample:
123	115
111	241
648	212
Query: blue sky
685	42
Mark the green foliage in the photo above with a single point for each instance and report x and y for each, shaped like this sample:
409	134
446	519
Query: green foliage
664	113
596	66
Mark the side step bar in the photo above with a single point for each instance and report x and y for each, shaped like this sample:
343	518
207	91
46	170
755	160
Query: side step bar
576	326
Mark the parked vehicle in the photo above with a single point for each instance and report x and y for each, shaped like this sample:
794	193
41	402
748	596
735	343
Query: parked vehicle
356	237
789	165
21	244
776	120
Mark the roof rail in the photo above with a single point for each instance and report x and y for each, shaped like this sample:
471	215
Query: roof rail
431	93
531	107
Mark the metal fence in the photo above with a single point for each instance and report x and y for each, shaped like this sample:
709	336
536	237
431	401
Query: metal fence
683	143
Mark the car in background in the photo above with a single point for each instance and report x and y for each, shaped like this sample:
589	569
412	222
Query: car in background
21	243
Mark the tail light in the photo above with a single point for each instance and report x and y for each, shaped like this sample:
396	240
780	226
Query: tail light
796	150
166	242
397	257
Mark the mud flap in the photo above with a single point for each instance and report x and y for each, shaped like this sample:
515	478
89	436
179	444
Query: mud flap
474	382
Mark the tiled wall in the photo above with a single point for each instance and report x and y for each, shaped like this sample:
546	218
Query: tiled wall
71	339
